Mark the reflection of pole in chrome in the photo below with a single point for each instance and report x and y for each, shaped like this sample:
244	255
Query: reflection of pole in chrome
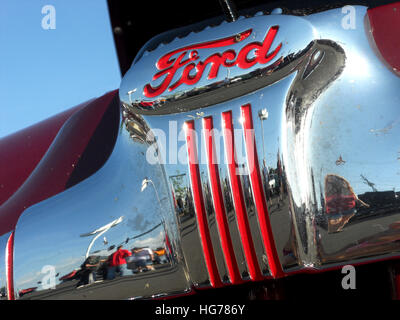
263	115
145	183
98	232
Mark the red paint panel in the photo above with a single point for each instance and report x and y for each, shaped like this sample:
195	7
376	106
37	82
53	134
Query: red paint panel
10	267
385	26
238	199
199	205
22	151
52	173
220	212
258	193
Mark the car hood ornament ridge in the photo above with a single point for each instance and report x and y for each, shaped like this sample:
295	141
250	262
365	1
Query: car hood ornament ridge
189	72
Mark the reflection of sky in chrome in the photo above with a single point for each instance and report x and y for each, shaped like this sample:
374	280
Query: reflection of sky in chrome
64	266
3	243
361	113
357	65
112	192
363	123
115	236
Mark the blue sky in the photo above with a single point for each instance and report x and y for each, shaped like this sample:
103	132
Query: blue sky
43	72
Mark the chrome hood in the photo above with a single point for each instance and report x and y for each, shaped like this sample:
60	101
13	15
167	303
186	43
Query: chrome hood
247	151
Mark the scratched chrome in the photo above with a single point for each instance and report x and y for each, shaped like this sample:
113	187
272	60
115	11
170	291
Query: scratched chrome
3	276
126	203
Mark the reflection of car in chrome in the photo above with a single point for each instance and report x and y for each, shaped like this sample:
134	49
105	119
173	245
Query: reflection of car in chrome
23	292
244	150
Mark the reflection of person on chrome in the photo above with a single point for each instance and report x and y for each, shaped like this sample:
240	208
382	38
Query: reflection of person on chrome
143	259
117	263
88	272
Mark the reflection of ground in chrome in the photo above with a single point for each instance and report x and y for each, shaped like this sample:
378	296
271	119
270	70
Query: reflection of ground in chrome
89	284
142	284
134	272
89	277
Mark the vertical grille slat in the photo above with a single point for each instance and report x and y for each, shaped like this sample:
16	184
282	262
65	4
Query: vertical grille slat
248	236
10	267
258	193
199	206
222	223
240	207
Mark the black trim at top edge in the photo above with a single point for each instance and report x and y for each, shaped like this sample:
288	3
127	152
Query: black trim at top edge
136	22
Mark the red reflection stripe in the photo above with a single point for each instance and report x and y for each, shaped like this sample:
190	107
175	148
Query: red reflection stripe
259	198
10	267
199	205
220	212
238	199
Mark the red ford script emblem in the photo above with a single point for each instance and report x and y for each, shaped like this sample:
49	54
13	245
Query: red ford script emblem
194	67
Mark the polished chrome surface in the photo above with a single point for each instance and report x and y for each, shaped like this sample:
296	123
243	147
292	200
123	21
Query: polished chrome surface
326	127
228	200
179	180
126	203
3	261
324	135
228	81
350	131
212	224
176	159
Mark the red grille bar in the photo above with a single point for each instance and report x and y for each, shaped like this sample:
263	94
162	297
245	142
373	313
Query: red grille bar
10	267
220	212
259	198
199	205
243	223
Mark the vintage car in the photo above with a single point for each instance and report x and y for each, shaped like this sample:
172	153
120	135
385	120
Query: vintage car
253	144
